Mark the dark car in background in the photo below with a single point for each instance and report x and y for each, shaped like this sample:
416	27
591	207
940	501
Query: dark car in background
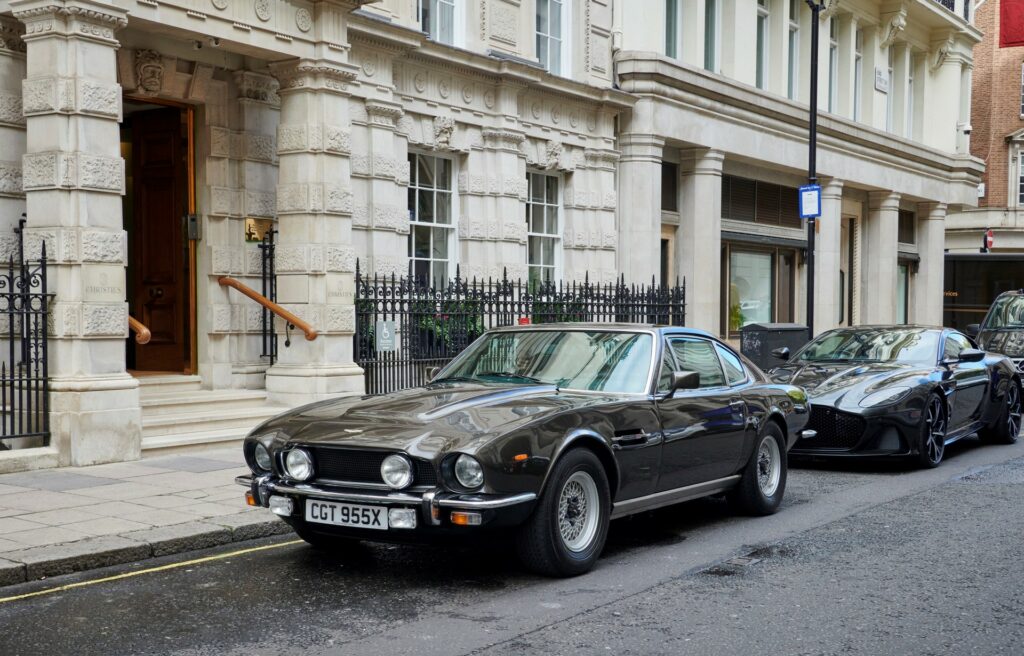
1002	331
901	391
543	433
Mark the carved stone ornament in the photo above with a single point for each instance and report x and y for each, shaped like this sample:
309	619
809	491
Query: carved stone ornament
383	114
896	24
552	155
220	4
258	87
314	74
942	52
829	9
444	129
11	32
262	8
149	72
303	20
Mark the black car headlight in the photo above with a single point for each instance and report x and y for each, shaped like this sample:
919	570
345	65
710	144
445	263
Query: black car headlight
261	456
396	470
468	472
298	464
885	397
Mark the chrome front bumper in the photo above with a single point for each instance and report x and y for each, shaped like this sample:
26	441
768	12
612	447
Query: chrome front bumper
431	501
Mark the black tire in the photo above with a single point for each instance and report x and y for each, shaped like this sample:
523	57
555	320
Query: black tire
763	480
541	545
1007	427
323	542
931	445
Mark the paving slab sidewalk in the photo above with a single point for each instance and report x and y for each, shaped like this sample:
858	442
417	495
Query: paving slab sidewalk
71	519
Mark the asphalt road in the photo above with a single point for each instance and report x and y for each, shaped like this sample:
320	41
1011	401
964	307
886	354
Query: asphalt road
858	561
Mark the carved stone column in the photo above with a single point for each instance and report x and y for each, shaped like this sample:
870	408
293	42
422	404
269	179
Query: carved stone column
639	228
74	179
878	273
315	257
827	297
699	236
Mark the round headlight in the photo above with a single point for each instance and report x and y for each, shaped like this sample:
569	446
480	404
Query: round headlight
298	464
262	457
396	471
891	395
468	472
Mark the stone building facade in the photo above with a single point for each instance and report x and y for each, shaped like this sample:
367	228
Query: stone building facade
148	141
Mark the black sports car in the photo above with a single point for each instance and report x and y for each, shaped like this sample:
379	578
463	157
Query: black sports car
1002	331
546	432
902	391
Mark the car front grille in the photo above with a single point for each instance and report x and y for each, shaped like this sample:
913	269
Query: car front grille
363	466
836	430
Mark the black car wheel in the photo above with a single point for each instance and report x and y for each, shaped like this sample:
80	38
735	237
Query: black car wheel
566	533
1007	427
933	433
763	481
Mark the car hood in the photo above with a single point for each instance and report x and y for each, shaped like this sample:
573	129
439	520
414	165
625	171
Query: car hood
834	383
426	421
1007	341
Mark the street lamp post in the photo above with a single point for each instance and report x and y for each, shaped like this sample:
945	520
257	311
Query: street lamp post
812	156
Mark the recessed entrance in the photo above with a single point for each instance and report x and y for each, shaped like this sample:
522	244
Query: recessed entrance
156	143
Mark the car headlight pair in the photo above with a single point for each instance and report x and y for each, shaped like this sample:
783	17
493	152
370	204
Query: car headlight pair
886	396
397	472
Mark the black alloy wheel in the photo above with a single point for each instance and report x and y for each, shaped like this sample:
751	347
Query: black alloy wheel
933	433
1007	427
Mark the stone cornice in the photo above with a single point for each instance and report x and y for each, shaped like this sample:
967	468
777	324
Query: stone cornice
313	74
71	18
383	113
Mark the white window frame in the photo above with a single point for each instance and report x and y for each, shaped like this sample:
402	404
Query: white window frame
673	33
451	227
909	118
858	73
565	17
889	105
764	26
458	20
793	55
833	65
556	236
1022	91
715	36
1019	156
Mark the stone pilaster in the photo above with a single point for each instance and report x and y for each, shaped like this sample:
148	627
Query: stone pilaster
639	224
927	290
878	275
384	167
12	129
589	236
827	297
699	236
315	257
73	179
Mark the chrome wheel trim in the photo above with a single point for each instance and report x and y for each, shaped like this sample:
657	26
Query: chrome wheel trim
1013	407
769	466
936	422
579	510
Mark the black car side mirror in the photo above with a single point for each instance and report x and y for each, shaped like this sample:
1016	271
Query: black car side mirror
971	355
973	329
432	373
684	380
781	353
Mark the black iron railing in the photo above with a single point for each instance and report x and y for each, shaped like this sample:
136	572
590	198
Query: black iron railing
268	274
24	375
404	328
948	4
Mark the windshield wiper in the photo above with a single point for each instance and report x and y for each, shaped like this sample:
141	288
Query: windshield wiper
511	374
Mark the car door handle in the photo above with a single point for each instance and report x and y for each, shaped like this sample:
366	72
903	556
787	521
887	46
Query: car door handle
630	438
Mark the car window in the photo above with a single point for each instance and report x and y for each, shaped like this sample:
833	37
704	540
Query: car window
665	377
699	355
733	369
955	343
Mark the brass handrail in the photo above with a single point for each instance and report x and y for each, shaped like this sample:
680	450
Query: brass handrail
142	334
293	321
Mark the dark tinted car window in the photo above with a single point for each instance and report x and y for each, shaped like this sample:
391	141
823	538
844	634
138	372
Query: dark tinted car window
733	369
699	355
665	376
955	343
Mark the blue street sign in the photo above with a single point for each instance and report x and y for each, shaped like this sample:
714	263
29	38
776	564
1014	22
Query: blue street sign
810	201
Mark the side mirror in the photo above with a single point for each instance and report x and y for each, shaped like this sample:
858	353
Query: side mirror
781	353
971	355
684	380
973	329
432	373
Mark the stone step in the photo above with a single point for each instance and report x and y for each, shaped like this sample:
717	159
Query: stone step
162	445
170	383
216	419
165	403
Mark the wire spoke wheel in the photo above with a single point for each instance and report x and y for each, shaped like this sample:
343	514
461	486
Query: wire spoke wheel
769	465
935	421
578	511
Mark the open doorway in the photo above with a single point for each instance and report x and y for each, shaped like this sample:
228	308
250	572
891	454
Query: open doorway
156	143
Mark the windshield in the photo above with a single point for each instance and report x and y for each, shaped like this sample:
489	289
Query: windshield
880	345
575	359
1006	312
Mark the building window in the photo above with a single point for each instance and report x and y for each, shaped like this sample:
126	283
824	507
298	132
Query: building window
902	292
549	34
712	25
1020	180
744	199
542	227
672	28
760	285
431	230
908	221
910	101
858	73
763	17
793	71
669	187
437	19
892	90
833	65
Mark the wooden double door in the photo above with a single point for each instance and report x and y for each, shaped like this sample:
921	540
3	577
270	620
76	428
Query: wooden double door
158	253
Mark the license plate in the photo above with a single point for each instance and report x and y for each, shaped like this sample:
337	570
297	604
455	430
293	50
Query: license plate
347	514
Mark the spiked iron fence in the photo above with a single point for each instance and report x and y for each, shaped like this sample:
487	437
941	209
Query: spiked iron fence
405	327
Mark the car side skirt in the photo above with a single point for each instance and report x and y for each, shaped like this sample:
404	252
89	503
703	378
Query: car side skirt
669	497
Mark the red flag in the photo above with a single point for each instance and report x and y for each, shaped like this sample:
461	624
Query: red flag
1011	23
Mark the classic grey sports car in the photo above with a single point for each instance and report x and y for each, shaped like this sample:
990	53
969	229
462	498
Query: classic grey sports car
546	432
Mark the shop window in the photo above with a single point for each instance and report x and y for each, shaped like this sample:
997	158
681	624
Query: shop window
760	202
759	285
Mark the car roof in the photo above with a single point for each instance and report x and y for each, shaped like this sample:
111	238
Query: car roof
594	326
1012	292
900	326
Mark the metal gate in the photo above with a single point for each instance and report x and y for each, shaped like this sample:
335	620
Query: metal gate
24	379
404	327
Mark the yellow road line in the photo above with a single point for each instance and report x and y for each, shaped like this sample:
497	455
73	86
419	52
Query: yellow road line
151	570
